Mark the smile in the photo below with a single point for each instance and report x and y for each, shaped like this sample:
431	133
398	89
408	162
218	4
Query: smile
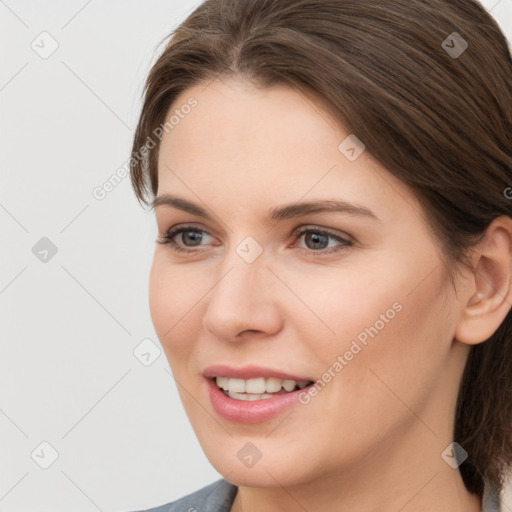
258	388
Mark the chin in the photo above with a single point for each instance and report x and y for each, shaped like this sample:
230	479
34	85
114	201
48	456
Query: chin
269	471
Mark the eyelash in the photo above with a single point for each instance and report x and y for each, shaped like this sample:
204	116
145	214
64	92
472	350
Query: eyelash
168	239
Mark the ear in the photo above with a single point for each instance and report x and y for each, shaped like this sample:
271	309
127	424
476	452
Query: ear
491	288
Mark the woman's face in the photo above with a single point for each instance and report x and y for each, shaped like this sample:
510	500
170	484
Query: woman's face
276	279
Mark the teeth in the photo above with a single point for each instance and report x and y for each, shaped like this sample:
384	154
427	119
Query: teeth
254	386
247	396
222	382
258	386
237	385
273	385
289	385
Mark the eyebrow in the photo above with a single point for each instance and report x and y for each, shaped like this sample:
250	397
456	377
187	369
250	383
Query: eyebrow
276	214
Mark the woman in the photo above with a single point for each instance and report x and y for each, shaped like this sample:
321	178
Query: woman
332	280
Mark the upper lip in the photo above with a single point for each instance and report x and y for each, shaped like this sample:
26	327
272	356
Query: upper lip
250	372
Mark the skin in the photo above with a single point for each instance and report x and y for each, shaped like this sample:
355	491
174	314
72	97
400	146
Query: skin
372	439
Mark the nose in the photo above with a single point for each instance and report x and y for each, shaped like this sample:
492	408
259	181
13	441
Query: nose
243	302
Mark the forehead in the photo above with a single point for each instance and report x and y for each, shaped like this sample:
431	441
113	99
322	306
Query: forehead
235	124
236	113
252	143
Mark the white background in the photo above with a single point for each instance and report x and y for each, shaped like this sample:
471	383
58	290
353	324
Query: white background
69	326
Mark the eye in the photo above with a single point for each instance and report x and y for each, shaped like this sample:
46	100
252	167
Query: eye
321	241
316	240
183	237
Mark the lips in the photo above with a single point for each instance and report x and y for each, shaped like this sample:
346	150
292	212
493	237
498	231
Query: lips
251	372
244	406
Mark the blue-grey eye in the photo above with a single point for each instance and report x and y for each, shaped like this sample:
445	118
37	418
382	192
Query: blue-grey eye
194	237
317	240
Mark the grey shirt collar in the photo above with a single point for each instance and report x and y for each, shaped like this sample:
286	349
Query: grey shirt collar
219	497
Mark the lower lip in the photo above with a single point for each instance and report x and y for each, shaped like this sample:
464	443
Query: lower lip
256	411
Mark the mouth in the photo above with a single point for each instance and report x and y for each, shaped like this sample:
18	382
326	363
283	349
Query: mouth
253	394
258	388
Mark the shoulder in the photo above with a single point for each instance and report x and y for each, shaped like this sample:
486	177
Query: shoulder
216	497
490	499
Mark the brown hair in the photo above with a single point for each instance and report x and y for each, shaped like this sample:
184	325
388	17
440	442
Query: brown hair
440	122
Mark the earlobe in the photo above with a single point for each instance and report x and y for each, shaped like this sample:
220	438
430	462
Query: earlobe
491	297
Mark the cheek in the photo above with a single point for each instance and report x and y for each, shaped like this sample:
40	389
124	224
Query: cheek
333	307
377	319
401	342
174	306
